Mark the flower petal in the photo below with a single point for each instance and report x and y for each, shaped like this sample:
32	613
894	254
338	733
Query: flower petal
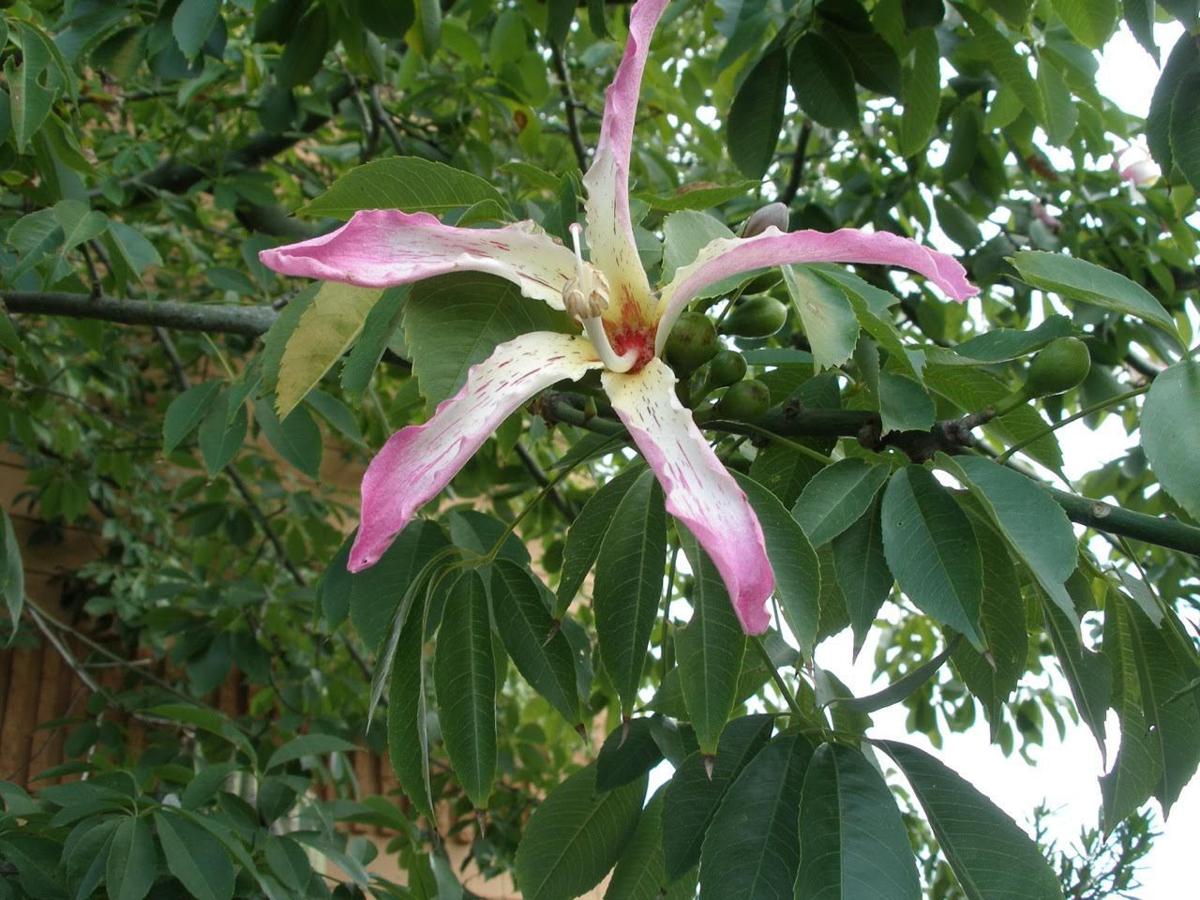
609	229
731	256
699	490
386	247
418	461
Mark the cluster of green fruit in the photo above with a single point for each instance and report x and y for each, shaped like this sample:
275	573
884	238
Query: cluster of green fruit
694	344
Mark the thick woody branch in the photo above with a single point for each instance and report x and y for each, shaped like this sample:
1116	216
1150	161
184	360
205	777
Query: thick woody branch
223	318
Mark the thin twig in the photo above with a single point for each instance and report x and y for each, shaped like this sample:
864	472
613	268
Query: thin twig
796	176
568	95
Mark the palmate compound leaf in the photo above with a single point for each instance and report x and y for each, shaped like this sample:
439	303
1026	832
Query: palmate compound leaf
692	796
752	848
629	574
464	678
853	842
989	854
576	835
709	649
932	550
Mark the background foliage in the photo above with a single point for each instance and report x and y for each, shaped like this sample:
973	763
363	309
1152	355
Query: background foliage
150	150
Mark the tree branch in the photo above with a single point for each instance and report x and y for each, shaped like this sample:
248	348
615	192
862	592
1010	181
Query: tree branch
797	173
224	318
568	95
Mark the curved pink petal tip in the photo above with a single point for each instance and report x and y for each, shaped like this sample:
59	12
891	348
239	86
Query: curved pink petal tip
418	461
699	490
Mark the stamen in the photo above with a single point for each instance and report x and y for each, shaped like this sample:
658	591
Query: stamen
586	297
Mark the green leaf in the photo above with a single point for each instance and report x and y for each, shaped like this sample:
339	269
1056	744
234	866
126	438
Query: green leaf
288	862
575	836
192	22
132	861
1090	21
862	571
752	848
587	532
408	713
697	196
828	318
186	412
1087	282
1137	770
932	551
990	855
837	497
903	404
1062	115
390	20
375	593
1003	344
1034	525
1008	65
32	86
533	638
709	649
12	571
195	857
401	182
327	327
559	16
1171	432
824	82
692	796
1183	60
629	752
629	573
756	114
994	677
853	842
1185	127
1139	16
921	92
381	324
464	679
220	435
305	50
685	234
275	340
455	321
641	873
297	438
307	745
1087	673
797	571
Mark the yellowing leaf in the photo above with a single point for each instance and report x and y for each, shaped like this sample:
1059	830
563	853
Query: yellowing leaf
325	331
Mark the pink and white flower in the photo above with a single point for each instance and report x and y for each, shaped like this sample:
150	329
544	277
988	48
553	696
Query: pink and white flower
625	324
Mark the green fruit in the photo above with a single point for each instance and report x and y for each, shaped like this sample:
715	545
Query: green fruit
746	401
1060	366
726	368
692	343
757	317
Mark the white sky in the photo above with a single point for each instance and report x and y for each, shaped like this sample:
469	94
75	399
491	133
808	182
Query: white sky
1066	773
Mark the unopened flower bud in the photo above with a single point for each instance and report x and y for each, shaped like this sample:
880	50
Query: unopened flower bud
771	215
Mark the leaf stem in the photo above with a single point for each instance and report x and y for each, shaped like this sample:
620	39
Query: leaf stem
1086	411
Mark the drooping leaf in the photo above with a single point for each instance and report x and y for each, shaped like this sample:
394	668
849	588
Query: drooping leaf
307	745
408	711
921	92
407	183
464	678
533	639
629	574
990	855
576	835
1171	432
628	753
12	570
132	861
1002	344
186	412
195	857
752	849
376	592
1087	672
1090	21
192	22
1183	59
797	570
932	551
824	82
853	842
641	873
709	649
756	115
862	571
587	532
828	319
381	325
297	438
692	796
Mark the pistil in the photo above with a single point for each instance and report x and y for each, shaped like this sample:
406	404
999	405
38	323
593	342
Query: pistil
586	298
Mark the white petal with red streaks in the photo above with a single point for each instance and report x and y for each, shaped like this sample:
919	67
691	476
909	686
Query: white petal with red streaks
418	461
609	229
386	247
700	492
731	256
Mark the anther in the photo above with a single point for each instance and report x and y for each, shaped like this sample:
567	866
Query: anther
585	297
